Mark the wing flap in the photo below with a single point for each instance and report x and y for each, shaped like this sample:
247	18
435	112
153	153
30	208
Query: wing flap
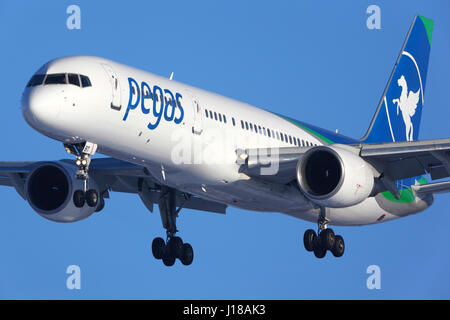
410	158
270	164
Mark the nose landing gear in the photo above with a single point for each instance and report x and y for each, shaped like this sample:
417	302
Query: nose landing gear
82	152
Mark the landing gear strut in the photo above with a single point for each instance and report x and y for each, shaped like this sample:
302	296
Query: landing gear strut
325	239
173	247
82	152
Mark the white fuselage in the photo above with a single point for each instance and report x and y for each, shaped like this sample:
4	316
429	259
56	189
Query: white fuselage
188	141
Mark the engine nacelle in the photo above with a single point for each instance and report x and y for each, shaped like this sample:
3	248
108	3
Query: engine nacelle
49	190
335	177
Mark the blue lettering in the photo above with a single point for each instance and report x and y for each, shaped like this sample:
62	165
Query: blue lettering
157	113
131	105
179	119
168	104
145	95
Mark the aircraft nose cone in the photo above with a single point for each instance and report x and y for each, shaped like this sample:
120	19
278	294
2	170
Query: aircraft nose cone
41	107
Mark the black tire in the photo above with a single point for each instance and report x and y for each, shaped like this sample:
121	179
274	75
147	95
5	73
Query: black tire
101	205
319	250
92	198
158	245
187	254
309	238
339	247
175	246
328	239
168	258
79	198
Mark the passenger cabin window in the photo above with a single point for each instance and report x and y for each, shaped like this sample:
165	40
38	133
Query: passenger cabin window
57	78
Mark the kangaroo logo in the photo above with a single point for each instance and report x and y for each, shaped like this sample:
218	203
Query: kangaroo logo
407	103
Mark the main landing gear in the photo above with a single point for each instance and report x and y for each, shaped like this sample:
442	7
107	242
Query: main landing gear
173	248
324	240
82	152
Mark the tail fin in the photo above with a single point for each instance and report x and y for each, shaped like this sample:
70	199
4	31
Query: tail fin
398	114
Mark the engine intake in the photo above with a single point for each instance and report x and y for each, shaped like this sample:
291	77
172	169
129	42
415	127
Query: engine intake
50	190
334	176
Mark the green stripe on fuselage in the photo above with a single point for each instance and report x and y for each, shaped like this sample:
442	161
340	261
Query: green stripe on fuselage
314	133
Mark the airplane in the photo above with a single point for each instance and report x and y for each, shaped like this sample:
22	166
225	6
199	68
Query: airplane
177	146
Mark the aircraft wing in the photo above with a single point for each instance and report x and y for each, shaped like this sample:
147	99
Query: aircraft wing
411	158
112	175
397	160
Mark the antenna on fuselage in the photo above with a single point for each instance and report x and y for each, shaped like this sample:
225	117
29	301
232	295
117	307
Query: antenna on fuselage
171	76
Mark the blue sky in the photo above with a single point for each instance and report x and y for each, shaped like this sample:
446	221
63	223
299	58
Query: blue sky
314	61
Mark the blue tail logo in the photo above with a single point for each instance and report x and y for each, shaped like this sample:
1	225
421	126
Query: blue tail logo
400	109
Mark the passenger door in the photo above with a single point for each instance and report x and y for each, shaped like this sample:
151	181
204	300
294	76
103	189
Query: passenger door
115	87
197	127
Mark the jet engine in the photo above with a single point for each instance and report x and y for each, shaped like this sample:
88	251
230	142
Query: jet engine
334	176
50	189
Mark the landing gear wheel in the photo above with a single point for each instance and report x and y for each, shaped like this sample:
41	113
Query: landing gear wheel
339	246
327	239
158	246
175	245
308	239
319	250
79	198
168	257
92	198
187	254
101	205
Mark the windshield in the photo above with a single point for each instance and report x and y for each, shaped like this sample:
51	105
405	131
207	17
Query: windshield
60	78
57	78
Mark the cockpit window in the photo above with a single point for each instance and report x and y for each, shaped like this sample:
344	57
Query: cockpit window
73	79
36	80
85	82
57	78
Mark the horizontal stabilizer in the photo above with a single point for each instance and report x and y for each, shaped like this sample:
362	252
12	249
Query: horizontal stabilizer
438	187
